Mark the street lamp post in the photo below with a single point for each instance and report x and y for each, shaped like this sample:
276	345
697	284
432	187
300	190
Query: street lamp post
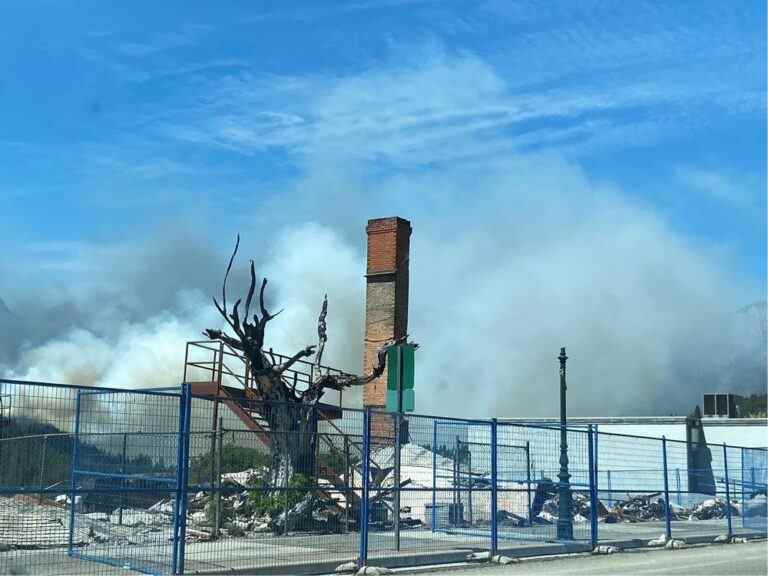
564	520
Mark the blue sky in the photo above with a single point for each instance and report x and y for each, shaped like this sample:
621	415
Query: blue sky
122	122
114	114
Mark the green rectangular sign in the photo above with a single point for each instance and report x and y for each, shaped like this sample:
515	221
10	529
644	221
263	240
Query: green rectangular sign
400	373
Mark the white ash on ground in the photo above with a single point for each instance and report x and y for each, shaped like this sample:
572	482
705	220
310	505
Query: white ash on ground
29	523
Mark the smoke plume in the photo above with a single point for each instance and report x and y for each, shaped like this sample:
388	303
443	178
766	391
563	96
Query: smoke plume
547	258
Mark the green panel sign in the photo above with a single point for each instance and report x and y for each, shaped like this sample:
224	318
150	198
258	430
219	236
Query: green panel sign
400	370
408	401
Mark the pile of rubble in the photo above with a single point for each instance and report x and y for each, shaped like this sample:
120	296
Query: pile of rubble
640	508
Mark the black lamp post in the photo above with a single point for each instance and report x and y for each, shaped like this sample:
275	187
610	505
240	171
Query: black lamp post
564	519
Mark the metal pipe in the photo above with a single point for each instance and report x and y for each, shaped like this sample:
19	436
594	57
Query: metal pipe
73	476
347	472
185	475
727	491
396	499
123	471
398	422
667	523
528	480
494	489
219	453
592	490
363	556
469	484
42	469
434	475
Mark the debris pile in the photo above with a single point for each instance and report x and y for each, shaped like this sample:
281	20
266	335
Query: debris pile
641	508
713	508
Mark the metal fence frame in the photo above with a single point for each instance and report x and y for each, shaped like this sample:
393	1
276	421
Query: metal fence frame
738	474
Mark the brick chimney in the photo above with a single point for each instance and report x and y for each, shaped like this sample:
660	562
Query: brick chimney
386	295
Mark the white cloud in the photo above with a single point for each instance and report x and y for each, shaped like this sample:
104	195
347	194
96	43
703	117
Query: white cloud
719	185
433	106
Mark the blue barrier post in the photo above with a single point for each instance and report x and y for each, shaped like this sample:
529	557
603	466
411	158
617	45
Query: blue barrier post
742	485
434	475
363	557
667	523
592	490
179	482
528	479
73	477
727	491
597	467
494	489
187	393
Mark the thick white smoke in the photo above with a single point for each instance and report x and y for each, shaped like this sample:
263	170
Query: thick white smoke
547	258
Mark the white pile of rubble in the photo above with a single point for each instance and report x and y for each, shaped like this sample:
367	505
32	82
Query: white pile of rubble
416	468
28	523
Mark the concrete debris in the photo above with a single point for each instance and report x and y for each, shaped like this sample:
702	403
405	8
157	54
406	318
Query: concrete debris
604	549
164	506
504	560
545	518
373	571
246	478
660	541
722	539
509	519
134	518
486	557
347	567
738	540
580	508
640	508
712	508
674	544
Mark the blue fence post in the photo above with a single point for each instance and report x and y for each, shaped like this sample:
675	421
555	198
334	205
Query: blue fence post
179	481
528	479
667	523
434	475
742	485
185	475
597	461
363	557
494	488
592	489
727	491
73	476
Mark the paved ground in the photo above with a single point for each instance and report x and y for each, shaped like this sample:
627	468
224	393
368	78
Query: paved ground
709	560
307	553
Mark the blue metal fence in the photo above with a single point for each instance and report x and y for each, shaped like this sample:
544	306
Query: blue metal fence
169	482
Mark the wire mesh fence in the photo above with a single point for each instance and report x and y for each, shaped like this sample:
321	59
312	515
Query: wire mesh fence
98	481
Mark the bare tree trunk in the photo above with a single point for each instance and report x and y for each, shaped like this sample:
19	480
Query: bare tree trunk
291	414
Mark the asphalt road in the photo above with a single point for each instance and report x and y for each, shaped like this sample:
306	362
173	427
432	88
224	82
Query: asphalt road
715	560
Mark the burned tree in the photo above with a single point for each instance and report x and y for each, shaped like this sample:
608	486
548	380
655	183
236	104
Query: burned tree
291	414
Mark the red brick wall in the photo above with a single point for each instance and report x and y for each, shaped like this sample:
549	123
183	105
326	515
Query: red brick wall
386	295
